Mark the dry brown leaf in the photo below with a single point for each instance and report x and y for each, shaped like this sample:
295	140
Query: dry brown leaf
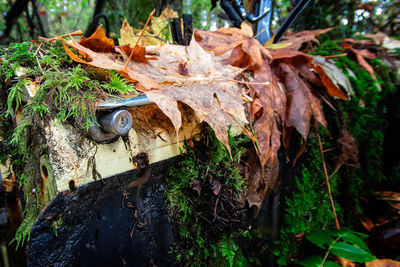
302	105
257	184
363	42
226	39
388	195
346	263
296	40
330	76
246	52
348	149
98	41
381	38
208	86
383	263
360	58
108	61
139	53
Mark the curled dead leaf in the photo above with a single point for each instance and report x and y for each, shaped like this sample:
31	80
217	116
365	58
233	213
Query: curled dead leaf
98	41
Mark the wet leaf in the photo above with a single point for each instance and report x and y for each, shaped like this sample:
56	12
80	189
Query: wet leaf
242	50
330	76
259	183
208	86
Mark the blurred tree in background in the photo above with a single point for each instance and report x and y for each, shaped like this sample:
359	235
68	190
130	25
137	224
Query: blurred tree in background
26	19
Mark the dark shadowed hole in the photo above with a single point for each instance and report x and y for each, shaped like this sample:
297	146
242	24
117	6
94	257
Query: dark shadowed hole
96	234
72	185
45	171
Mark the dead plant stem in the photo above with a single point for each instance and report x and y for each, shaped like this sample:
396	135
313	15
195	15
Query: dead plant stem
327	183
137	42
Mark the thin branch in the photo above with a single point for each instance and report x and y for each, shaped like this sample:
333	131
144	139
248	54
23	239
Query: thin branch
327	183
137	42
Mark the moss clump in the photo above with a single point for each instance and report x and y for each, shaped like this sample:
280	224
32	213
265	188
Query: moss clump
308	208
65	91
204	195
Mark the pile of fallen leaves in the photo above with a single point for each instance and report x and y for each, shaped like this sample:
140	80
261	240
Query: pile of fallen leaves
228	78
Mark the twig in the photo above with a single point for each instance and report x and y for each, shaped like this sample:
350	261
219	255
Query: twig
137	42
326	101
37	50
37	60
52	39
333	56
327	182
133	229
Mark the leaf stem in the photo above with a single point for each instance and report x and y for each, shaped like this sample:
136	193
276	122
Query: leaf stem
137	42
328	251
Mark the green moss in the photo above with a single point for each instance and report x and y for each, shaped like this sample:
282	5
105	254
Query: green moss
66	92
200	241
309	208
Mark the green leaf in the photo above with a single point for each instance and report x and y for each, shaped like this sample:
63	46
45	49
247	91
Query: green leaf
361	235
354	240
352	253
311	261
331	264
320	238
